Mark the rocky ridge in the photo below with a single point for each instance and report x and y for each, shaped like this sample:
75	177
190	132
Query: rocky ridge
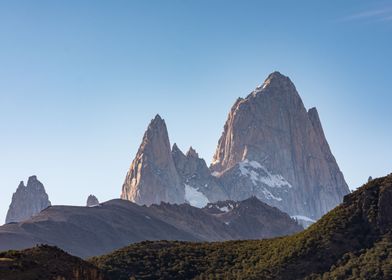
91	231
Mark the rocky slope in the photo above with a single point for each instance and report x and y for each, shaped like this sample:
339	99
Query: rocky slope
271	147
27	201
353	241
91	231
266	221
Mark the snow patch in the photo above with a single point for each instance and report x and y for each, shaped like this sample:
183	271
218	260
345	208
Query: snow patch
195	197
260	174
224	209
215	174
303	218
94	205
268	195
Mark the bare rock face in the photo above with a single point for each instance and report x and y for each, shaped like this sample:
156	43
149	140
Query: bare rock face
274	149
92	200
27	201
152	177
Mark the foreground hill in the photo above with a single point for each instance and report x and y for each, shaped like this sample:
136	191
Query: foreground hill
353	241
44	263
92	231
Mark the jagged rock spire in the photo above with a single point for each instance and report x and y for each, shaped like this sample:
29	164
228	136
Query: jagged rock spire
27	201
152	177
192	153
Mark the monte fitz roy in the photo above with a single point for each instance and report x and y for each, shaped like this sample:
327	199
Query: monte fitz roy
271	148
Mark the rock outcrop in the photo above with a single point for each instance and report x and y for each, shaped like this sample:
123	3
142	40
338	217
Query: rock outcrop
152	177
274	149
92	201
27	201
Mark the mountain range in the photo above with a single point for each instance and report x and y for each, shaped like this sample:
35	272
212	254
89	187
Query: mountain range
271	147
92	231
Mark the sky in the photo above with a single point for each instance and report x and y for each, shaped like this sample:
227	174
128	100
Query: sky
81	80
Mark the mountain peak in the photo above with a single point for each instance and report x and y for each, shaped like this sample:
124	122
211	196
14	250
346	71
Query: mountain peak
32	178
276	80
276	75
27	200
158	118
92	200
21	185
152	177
175	148
270	138
192	153
157	122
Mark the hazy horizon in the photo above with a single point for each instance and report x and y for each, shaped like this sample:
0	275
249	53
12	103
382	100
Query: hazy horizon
81	82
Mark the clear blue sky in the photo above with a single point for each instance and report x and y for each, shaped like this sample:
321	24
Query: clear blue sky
80	81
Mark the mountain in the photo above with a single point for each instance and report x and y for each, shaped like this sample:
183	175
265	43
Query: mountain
92	201
45	262
152	177
92	231
27	201
161	174
273	148
353	241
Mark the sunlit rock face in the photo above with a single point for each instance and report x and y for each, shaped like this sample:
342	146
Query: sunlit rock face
152	177
161	174
27	201
274	149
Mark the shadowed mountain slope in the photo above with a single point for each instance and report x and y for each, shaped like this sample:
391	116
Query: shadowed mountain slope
92	231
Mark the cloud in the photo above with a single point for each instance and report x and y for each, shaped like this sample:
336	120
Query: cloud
379	14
